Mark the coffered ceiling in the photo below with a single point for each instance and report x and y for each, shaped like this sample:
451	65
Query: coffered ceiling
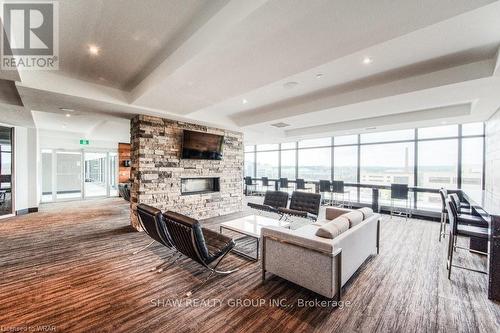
321	67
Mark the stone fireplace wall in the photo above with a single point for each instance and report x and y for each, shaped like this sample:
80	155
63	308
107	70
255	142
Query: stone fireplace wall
157	170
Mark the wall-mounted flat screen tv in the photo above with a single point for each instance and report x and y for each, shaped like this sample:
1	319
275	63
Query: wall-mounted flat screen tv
202	146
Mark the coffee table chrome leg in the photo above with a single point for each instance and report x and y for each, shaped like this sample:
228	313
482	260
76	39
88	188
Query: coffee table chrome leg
241	253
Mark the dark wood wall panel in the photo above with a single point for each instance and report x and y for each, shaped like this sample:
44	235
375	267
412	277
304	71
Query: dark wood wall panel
123	155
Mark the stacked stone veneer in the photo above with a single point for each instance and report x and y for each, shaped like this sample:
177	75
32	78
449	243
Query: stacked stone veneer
157	169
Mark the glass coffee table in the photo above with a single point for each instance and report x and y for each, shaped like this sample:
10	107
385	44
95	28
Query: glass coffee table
250	227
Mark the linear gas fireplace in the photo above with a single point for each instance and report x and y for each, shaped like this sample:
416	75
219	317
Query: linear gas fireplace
199	185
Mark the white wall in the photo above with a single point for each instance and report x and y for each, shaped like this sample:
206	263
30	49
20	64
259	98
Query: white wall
26	190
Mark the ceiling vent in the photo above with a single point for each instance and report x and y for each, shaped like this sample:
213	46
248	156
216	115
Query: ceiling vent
280	125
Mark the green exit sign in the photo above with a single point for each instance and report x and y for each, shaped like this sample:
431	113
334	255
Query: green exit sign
84	142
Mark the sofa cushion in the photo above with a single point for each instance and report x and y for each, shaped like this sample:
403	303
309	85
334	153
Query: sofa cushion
333	228
367	212
334	212
355	217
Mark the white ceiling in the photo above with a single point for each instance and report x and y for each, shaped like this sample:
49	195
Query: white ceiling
198	61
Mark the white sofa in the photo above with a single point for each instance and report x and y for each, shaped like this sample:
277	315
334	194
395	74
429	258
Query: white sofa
320	264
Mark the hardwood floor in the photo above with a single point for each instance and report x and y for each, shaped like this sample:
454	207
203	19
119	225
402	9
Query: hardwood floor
70	267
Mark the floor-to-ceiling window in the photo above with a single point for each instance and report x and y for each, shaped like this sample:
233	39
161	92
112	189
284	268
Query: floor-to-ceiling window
249	161
315	159
6	134
267	161
288	161
450	156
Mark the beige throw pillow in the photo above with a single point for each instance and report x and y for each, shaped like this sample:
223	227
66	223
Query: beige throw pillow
355	217
367	212
333	228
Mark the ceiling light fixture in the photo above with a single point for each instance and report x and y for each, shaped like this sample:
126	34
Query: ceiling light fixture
68	115
319	75
244	101
280	125
66	110
367	60
93	50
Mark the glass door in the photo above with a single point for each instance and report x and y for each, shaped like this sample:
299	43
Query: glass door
95	175
47	175
78	174
5	171
68	175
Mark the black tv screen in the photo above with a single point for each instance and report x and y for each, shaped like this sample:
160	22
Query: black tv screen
203	146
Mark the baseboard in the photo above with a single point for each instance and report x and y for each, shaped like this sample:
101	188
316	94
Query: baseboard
27	211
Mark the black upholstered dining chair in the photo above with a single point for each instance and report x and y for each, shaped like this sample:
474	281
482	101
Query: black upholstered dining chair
338	189
265	183
457	230
303	204
443	193
325	188
208	248
250	186
400	192
284	184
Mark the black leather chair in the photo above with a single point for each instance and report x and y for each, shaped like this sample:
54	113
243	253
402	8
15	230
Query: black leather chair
325	186
464	217
272	201
265	183
300	185
304	205
339	189
202	245
444	214
249	185
206	247
457	230
400	192
124	191
151	221
284	185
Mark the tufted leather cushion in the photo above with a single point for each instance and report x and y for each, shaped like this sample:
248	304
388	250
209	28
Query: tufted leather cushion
367	212
355	217
306	202
276	199
333	228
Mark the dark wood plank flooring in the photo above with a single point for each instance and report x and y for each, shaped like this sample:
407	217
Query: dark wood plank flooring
70	267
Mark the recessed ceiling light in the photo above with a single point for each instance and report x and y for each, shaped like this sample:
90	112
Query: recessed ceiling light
66	110
290	84
367	60
244	101
93	50
319	75
280	125
68	115
370	128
